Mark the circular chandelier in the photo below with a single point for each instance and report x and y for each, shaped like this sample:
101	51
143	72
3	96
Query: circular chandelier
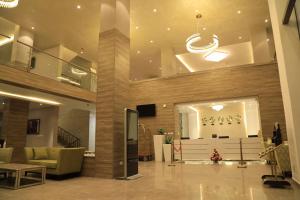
9	3
196	37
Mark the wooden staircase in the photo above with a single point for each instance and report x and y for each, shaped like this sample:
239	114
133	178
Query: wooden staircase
67	139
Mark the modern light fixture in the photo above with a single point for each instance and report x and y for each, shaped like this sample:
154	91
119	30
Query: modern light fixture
68	80
196	37
151	41
266	20
168	29
204	49
239	12
30	98
7	40
9	3
78	6
32	28
78	72
215	56
155	10
217	107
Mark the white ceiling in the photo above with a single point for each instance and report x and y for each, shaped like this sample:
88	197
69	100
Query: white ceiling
60	22
219	17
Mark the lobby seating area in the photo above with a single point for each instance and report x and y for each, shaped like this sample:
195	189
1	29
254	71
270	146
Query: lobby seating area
59	161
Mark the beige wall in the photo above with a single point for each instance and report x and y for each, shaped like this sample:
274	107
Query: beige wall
48	127
233	130
288	54
76	122
261	81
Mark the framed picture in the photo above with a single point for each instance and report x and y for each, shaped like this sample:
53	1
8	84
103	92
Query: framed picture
33	126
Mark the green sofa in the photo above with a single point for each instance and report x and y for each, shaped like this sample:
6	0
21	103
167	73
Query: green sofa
59	161
5	155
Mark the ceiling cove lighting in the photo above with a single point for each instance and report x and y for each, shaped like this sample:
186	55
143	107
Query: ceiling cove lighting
7	40
29	98
9	3
216	56
187	66
217	107
196	37
68	80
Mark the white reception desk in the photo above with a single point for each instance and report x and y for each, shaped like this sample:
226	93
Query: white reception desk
229	148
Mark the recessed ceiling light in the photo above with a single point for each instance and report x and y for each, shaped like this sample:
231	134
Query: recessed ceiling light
204	28
239	12
155	10
137	27
151	41
41	104
266	20
78	6
216	56
3	103
240	37
268	40
150	61
168	29
32	28
81	51
138	51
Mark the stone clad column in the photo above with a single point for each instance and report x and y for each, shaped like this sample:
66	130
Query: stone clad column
112	87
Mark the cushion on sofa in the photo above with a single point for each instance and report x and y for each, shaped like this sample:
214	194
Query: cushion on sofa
51	164
40	153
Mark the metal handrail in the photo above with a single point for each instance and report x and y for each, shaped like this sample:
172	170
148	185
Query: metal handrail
41	51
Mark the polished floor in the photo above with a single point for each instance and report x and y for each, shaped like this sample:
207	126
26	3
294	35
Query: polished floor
193	181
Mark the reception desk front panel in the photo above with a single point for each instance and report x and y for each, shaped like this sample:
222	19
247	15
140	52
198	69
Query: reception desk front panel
229	149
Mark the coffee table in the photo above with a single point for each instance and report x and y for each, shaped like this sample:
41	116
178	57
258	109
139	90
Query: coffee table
15	175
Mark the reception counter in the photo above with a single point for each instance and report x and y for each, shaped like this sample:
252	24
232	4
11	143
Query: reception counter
229	148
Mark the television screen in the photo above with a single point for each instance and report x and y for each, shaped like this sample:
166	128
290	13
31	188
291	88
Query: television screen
148	110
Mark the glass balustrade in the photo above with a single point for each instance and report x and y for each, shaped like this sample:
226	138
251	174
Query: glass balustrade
75	71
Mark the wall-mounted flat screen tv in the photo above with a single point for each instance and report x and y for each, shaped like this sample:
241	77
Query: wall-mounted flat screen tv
148	110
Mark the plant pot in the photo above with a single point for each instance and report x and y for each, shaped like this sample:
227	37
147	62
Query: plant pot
167	152
158	141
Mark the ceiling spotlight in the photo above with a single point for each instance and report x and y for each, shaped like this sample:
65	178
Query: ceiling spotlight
138	51
268	40
9	3
41	104
217	107
32	28
150	61
240	37
155	10
168	29
239	12
3	103
78	6
204	28
137	27
151	41
266	20
81	51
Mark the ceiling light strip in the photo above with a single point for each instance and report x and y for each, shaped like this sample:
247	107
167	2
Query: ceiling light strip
29	98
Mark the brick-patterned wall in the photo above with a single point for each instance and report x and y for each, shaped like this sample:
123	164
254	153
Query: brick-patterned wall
15	118
261	81
112	98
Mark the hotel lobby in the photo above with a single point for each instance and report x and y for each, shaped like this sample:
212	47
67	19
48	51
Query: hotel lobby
139	99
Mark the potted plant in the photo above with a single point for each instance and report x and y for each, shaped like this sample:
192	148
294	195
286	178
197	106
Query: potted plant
159	140
167	147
